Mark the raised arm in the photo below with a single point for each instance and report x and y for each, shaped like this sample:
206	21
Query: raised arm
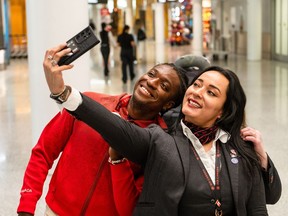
256	197
53	72
272	181
128	139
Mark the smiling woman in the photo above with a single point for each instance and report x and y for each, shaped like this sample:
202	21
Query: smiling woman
204	98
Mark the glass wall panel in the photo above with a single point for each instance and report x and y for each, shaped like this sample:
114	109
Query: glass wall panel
284	35
278	27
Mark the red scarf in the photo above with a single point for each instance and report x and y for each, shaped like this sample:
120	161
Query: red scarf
205	135
121	108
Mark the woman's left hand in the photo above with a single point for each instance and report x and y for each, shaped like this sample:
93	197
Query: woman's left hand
254	136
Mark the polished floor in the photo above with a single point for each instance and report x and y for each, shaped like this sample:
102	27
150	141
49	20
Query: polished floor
265	83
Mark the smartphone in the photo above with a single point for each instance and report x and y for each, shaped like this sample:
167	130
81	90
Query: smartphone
79	44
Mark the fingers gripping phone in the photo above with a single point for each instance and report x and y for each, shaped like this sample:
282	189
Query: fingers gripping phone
79	44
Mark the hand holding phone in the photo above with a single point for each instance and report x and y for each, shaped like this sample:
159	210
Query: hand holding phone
79	44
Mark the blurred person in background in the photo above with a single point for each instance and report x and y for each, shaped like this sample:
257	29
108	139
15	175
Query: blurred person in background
127	44
106	39
141	38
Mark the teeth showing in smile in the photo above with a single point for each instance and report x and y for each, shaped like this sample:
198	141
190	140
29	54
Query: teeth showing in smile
193	103
146	91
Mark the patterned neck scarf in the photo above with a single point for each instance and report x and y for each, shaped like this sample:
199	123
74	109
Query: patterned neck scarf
122	109
205	135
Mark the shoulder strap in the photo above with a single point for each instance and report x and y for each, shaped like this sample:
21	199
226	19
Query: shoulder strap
92	189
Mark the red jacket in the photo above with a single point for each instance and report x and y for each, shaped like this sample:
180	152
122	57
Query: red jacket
80	150
126	187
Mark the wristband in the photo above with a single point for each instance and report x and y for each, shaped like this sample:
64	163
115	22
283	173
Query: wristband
114	162
63	96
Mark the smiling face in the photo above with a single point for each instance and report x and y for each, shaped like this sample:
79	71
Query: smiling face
204	99
157	89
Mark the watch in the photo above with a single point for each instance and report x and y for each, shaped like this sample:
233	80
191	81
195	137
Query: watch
63	96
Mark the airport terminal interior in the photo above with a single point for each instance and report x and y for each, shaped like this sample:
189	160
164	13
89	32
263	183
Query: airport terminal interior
265	83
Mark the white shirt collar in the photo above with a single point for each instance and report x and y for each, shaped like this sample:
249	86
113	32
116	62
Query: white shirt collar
207	158
222	135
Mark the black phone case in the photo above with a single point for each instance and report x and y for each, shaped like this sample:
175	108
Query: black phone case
79	44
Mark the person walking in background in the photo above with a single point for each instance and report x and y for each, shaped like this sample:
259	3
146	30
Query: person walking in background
92	25
127	43
106	38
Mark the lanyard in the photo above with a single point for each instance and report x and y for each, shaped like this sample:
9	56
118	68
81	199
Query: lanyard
215	189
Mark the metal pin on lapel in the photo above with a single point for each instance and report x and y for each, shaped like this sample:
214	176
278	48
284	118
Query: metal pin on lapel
234	160
233	155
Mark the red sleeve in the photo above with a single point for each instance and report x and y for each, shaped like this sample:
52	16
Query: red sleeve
126	189
50	144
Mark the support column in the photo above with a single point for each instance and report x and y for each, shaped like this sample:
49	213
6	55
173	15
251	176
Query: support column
197	28
50	23
159	22
254	29
95	15
129	15
149	20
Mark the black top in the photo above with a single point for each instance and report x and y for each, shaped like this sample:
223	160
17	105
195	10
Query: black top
104	37
125	40
198	199
141	35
